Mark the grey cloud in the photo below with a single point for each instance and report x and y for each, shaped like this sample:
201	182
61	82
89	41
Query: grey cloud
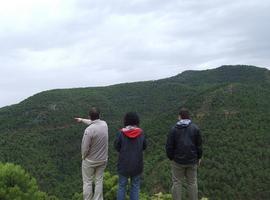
139	39
124	7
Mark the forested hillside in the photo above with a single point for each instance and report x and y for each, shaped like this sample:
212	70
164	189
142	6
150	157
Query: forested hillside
231	105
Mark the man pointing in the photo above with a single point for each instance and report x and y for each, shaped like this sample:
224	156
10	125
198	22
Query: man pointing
94	149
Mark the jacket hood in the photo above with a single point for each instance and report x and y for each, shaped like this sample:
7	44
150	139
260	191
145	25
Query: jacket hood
183	123
131	131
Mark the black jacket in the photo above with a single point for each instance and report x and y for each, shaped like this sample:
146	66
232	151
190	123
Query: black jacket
184	143
130	158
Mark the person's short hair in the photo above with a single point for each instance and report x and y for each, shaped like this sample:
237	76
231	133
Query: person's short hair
131	119
184	113
94	113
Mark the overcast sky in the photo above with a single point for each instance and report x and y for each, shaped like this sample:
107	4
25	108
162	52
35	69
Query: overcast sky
49	44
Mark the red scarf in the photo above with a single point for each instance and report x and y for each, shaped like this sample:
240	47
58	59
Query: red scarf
131	131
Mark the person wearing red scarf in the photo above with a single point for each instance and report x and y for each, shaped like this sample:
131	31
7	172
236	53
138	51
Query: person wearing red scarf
130	144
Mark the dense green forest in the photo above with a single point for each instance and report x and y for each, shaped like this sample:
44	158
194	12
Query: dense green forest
230	104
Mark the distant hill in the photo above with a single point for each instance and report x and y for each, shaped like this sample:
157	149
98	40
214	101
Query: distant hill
230	104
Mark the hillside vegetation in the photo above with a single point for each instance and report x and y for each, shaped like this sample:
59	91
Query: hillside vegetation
230	104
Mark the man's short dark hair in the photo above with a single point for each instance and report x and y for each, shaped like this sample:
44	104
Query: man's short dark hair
184	113
94	113
131	119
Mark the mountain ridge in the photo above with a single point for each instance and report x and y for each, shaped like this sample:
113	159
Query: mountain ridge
179	77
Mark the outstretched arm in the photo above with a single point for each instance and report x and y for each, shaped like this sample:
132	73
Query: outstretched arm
85	121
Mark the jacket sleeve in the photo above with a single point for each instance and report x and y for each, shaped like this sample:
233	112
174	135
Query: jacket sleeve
144	143
199	144
86	121
170	145
86	143
117	142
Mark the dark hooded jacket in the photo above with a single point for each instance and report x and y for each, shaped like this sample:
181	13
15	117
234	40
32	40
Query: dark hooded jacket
184	143
130	143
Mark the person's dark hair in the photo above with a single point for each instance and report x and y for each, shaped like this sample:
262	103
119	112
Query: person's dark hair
94	113
184	113
131	119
